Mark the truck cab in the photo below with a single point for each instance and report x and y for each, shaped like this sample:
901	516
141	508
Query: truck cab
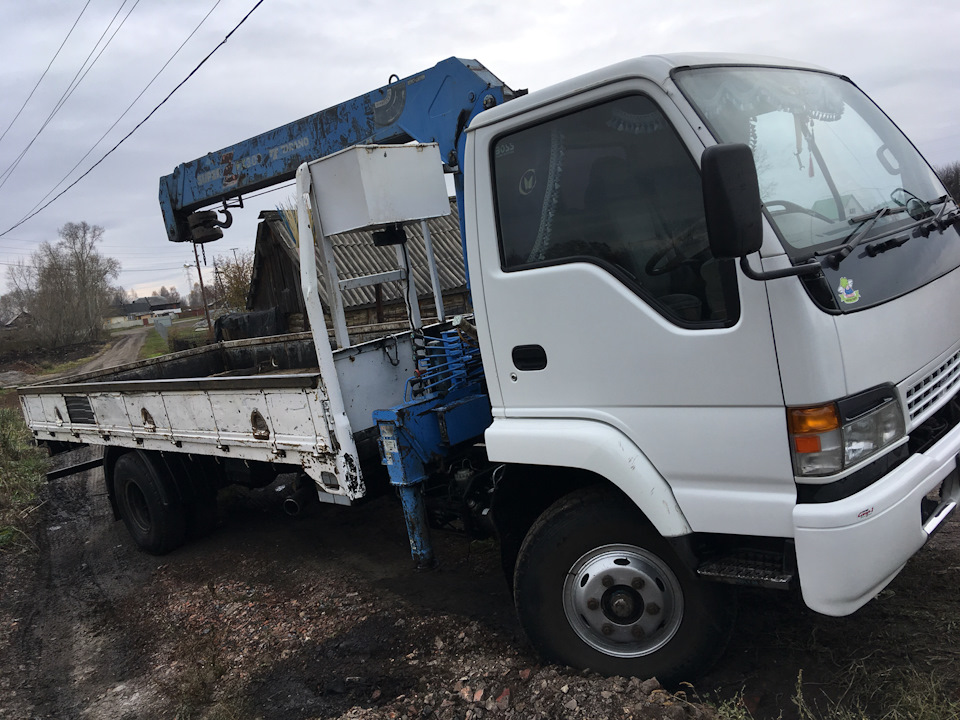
787	413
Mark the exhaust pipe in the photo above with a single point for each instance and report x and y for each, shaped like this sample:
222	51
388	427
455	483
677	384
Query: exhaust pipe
303	499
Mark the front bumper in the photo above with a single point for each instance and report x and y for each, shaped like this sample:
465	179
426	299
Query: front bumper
848	550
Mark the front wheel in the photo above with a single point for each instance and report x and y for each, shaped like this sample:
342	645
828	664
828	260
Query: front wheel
597	587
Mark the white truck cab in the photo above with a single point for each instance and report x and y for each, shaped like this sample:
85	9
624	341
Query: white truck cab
805	396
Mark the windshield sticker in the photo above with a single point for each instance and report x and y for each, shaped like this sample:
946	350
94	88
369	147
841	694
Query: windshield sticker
846	292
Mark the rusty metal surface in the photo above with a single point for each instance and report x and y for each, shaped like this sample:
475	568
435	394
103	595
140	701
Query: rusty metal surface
431	106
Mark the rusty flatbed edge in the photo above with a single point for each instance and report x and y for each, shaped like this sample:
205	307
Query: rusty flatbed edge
244	382
161	360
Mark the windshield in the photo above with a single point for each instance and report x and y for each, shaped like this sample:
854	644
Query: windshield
833	170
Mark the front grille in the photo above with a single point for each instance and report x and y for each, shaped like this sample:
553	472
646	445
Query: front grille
942	382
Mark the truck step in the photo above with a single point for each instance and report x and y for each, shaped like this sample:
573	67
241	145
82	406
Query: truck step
748	568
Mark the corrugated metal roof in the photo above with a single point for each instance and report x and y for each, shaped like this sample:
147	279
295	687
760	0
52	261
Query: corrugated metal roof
357	256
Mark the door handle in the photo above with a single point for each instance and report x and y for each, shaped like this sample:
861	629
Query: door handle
529	357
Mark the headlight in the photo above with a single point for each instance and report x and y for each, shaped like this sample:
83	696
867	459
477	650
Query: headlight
826	439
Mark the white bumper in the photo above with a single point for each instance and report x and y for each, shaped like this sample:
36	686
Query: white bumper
847	551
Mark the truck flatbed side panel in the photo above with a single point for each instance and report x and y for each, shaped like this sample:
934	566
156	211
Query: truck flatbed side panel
263	400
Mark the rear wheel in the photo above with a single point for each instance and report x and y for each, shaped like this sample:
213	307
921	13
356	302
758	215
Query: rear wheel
149	503
597	587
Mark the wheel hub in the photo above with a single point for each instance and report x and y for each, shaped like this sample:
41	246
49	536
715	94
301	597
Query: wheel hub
623	600
622	605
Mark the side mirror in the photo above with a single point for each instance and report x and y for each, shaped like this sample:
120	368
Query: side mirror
731	200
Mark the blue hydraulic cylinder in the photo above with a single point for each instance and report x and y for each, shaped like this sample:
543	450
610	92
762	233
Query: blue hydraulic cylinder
444	407
407	475
413	434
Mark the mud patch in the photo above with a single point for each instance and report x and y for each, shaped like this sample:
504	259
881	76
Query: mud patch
272	617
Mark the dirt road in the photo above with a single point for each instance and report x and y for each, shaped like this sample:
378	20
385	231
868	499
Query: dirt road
124	349
323	617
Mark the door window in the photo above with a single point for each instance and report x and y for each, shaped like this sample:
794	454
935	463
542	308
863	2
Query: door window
613	185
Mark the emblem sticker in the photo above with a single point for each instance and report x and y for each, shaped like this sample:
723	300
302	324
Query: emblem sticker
846	292
528	182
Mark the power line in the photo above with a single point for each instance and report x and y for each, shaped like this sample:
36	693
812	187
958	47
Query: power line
66	94
123	115
122	270
138	126
49	65
264	192
74	84
162	269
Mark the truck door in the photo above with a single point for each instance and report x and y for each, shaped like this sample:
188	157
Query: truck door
598	298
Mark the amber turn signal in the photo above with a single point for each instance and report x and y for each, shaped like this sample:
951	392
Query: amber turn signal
819	419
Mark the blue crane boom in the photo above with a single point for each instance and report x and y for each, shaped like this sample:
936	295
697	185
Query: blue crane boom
435	105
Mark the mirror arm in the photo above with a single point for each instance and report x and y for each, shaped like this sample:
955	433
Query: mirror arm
807	268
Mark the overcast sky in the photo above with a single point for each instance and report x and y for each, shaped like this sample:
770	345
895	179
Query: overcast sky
294	57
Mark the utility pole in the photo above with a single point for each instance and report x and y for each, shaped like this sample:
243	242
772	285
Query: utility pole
203	293
218	280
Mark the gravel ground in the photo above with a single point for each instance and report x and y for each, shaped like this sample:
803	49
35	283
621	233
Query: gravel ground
273	617
323	617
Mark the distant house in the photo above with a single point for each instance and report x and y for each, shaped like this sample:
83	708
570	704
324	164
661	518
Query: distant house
20	320
828	207
276	272
147	308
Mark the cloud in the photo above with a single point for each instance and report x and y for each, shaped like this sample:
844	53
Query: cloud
293	58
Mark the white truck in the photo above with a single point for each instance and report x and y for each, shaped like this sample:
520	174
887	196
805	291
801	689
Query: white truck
714	342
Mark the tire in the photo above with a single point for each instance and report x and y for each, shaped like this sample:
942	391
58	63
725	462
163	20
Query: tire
149	503
596	587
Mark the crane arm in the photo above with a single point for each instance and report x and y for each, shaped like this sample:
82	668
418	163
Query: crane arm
435	105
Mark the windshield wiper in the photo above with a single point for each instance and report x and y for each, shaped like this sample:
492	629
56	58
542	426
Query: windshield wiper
943	220
836	254
922	226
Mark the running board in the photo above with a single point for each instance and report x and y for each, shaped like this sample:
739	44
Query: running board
763	570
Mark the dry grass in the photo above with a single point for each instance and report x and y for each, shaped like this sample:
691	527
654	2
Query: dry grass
22	468
902	693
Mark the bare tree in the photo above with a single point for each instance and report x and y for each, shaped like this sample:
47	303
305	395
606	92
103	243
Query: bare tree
118	297
66	286
13	303
195	299
233	278
950	175
9	308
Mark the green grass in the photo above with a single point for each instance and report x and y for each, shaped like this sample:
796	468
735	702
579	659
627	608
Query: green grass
22	468
153	346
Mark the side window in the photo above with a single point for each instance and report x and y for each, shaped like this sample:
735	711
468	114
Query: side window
613	185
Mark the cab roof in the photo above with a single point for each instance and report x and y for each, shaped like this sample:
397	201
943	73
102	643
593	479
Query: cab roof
656	68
